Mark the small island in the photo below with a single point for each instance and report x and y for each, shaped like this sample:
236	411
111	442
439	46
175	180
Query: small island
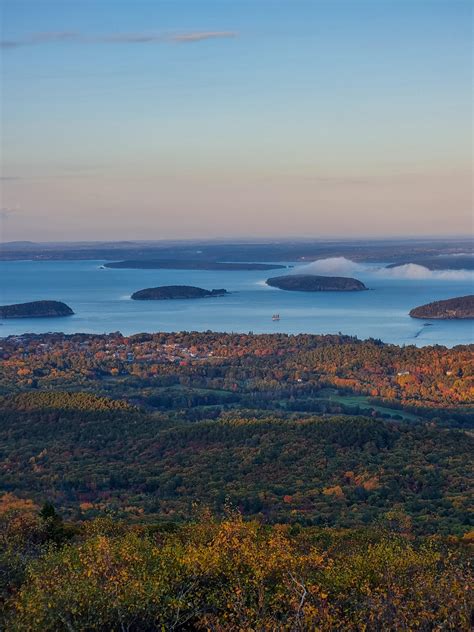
36	309
171	264
315	283
461	307
168	292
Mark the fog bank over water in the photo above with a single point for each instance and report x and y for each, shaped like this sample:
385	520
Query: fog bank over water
416	272
340	266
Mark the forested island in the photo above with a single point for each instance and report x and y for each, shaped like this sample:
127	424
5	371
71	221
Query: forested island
316	283
461	307
169	292
36	309
157	264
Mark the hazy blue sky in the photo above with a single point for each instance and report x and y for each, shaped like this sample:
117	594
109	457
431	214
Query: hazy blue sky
149	119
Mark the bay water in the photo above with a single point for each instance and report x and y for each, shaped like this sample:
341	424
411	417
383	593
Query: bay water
101	301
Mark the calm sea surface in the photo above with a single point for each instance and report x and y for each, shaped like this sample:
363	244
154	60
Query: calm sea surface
100	300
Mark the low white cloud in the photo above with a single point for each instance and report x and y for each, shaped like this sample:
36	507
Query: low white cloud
333	266
340	266
416	272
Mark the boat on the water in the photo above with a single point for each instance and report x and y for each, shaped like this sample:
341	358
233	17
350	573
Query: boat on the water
276	317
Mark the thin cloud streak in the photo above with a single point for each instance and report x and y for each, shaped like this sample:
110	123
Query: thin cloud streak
42	38
5	213
53	36
58	37
199	37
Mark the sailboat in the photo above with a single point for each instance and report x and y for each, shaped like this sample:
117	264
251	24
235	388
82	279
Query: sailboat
276	317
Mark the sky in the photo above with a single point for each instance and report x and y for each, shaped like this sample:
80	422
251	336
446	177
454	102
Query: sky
141	119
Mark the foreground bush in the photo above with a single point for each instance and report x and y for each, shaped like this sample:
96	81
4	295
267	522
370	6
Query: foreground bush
234	575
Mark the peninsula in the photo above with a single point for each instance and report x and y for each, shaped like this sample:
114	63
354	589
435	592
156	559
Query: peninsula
167	292
314	283
461	307
36	309
170	264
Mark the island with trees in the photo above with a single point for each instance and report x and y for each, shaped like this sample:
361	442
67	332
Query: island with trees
36	309
316	283
461	307
169	292
158	264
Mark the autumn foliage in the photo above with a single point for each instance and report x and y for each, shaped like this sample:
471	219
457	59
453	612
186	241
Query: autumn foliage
235	575
337	473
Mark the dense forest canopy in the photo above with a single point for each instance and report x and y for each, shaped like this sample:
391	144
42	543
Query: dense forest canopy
322	430
272	365
206	481
227	574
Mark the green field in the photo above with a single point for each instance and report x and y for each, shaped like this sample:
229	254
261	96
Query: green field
363	402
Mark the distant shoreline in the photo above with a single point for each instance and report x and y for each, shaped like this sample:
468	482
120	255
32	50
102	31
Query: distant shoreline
156	264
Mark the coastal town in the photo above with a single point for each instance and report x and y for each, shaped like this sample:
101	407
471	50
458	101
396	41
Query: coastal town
415	376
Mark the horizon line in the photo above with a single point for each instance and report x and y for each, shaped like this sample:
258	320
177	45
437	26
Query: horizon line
244	239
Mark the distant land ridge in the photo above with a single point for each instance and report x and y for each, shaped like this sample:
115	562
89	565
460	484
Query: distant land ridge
167	292
460	307
36	309
315	283
157	264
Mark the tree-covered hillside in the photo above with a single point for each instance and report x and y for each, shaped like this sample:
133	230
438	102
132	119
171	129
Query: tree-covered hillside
227	575
347	465
338	471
